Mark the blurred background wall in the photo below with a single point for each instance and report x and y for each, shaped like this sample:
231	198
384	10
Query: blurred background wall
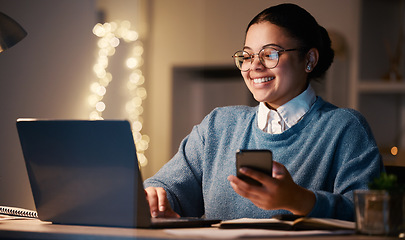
49	73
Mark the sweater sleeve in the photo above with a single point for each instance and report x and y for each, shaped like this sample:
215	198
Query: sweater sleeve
357	161
181	177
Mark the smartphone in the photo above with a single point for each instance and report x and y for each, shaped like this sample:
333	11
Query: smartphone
256	159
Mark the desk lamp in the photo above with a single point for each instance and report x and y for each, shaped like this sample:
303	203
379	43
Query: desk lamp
10	32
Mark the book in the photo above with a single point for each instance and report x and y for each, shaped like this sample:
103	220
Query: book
303	223
19	212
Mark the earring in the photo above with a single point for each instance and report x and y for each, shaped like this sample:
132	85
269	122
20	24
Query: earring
309	67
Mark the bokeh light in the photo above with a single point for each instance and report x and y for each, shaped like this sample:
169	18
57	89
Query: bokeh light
110	35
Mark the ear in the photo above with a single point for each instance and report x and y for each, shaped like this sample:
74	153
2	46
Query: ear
311	58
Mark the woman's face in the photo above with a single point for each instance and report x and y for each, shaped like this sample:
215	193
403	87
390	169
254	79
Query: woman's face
284	82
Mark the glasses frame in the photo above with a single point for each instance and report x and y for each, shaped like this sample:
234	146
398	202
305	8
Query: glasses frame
252	56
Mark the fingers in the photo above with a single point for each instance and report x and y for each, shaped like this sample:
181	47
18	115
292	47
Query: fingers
152	195
158	203
271	195
242	188
279	170
162	199
256	175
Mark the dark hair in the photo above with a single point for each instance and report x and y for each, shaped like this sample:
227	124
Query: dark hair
302	26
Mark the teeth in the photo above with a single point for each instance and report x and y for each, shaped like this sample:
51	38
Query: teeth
262	80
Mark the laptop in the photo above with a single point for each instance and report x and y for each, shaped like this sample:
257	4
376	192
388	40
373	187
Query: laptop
86	172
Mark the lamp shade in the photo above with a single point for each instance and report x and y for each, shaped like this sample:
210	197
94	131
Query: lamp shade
10	32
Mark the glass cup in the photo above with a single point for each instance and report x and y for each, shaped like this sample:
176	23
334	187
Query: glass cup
379	212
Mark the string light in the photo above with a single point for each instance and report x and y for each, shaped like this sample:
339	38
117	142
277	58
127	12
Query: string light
110	35
394	151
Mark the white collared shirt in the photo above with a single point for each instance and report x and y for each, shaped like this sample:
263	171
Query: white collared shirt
287	115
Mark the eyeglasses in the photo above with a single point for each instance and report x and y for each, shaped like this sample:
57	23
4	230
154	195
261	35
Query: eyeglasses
268	57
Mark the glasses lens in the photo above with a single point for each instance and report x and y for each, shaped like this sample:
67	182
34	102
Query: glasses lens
242	60
269	57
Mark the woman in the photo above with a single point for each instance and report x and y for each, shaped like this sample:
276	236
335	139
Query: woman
321	153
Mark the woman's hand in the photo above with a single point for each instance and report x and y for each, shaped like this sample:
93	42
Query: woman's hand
158	203
277	192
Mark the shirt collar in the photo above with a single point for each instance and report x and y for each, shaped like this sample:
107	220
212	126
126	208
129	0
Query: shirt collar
294	110
262	116
291	112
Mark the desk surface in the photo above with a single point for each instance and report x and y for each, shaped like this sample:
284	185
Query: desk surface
35	229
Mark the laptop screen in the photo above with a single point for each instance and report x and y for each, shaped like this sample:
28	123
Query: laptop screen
84	172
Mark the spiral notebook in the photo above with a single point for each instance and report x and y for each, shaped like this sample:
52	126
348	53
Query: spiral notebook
18	212
86	172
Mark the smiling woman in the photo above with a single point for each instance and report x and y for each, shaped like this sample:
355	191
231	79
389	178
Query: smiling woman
317	147
287	76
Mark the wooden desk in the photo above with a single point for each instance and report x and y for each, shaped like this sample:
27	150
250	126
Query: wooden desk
35	229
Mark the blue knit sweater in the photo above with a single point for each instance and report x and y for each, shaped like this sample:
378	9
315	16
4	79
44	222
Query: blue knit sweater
331	152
